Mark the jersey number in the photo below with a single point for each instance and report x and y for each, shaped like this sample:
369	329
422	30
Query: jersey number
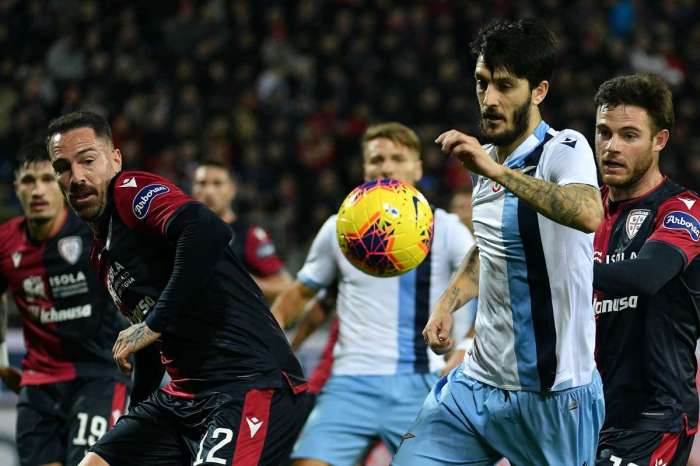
617	461
98	427
228	436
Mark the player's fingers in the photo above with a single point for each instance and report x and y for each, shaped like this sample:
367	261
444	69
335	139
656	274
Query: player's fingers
442	136
443	346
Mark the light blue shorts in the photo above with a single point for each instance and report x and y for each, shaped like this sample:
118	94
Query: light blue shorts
351	411
466	422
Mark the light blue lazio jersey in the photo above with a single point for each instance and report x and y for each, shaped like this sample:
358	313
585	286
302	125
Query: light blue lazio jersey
382	319
534	326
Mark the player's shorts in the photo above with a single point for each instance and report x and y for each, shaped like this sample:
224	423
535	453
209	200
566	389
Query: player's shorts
58	422
641	448
464	421
246	428
352	411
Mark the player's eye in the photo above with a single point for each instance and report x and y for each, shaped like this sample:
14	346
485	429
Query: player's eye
60	166
481	84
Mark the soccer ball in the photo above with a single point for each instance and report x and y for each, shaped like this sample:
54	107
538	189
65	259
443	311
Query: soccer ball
385	227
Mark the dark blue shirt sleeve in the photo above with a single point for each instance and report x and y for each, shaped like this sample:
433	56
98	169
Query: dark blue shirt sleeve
645	275
200	238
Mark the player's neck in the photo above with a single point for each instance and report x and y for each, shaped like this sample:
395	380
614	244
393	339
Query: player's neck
645	184
41	231
504	151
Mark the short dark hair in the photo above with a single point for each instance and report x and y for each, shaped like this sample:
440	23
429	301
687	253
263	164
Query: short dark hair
32	152
525	48
79	119
646	91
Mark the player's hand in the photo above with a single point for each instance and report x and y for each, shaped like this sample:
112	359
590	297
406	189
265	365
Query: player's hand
129	341
469	151
437	331
455	359
11	377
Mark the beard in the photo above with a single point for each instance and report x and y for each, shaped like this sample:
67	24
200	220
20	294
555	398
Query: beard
521	118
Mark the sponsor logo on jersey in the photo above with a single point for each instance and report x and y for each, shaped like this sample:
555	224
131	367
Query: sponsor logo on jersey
16	258
254	424
635	220
144	198
265	250
68	284
689	203
70	248
77	312
615	305
678	220
34	288
128	182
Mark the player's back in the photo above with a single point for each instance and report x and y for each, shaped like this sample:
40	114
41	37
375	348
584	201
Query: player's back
68	320
224	333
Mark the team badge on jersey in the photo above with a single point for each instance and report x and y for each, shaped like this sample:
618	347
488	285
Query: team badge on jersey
635	219
34	288
16	258
70	248
678	220
144	198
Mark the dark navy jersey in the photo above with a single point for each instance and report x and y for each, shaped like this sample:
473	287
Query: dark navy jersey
645	345
255	247
68	320
224	334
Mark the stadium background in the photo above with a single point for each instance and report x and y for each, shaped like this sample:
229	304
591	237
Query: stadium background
282	91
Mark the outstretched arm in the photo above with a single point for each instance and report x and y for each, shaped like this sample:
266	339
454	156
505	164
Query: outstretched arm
11	376
463	286
289	306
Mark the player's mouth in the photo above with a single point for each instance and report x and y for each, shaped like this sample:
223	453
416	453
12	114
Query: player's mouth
612	168
81	199
38	205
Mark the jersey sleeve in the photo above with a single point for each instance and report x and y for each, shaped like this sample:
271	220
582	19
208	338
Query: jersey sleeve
259	251
570	160
677	224
321	268
146	201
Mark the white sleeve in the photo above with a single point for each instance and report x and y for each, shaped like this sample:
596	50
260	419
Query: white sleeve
460	242
570	160
320	267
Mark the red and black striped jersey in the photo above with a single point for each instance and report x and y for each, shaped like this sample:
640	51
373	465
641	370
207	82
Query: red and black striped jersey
68	320
224	333
645	345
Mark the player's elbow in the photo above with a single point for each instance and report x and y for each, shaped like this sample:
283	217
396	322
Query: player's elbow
591	218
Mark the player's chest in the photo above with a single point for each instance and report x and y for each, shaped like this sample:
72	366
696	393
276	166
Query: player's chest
622	235
134	268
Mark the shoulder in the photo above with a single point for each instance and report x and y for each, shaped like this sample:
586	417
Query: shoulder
10	230
567	141
681	211
135	192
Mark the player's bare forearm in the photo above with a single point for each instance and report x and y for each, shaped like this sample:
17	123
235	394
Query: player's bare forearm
575	205
314	318
131	340
464	284
273	285
289	305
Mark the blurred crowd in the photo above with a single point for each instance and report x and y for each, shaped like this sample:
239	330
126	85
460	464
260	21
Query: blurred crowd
282	90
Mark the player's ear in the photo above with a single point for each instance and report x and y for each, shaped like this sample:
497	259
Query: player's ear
115	158
539	92
659	140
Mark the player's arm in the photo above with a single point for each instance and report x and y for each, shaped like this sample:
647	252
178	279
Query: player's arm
623	278
576	205
273	285
200	238
148	373
318	310
290	305
463	286
10	376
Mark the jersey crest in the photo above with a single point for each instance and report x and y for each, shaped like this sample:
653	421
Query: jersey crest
634	222
70	248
